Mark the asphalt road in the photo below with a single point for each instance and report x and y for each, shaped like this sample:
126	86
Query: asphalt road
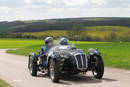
13	69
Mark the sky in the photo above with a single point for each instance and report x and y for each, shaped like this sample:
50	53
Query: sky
11	10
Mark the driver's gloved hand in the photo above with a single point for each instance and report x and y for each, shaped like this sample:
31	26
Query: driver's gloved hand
42	58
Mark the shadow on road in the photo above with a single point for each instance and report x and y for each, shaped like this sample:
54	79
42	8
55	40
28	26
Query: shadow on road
108	79
82	79
78	79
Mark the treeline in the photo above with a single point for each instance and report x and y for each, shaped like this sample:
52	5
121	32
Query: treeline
67	24
99	33
61	24
11	35
80	33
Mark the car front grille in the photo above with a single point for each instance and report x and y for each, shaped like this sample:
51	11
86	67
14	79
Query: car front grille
81	61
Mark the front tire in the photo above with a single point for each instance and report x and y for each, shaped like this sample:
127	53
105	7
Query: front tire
97	67
32	67
54	70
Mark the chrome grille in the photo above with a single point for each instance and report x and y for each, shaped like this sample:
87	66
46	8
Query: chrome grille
81	61
78	57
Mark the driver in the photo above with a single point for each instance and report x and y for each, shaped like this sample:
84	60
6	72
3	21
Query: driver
64	41
48	44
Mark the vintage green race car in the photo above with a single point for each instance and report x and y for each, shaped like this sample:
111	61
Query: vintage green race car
67	59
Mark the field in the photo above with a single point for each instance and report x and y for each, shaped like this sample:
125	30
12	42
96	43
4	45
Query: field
4	84
18	43
6	28
115	54
103	33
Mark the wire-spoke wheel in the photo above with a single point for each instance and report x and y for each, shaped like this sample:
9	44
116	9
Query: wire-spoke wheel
32	67
54	71
98	67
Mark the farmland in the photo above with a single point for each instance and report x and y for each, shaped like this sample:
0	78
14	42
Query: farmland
115	54
61	24
93	33
88	29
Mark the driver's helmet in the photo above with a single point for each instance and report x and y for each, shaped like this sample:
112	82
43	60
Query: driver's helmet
64	41
48	40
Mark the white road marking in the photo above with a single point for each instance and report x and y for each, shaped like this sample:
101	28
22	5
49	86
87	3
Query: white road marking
14	81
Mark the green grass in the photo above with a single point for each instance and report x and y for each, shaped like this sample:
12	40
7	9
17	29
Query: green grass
4	84
18	43
114	54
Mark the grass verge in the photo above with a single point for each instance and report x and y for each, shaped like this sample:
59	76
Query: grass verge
4	84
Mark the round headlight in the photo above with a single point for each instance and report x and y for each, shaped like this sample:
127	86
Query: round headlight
91	51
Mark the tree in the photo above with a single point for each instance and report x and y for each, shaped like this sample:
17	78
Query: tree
76	32
113	36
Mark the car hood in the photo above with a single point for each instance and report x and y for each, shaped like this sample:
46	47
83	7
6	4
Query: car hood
66	50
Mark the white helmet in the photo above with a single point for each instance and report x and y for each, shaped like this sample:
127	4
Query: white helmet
48	39
64	41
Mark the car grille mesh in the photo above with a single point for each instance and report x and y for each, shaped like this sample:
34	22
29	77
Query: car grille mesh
78	57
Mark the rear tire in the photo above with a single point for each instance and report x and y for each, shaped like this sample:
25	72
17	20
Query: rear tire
54	70
32	67
97	67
